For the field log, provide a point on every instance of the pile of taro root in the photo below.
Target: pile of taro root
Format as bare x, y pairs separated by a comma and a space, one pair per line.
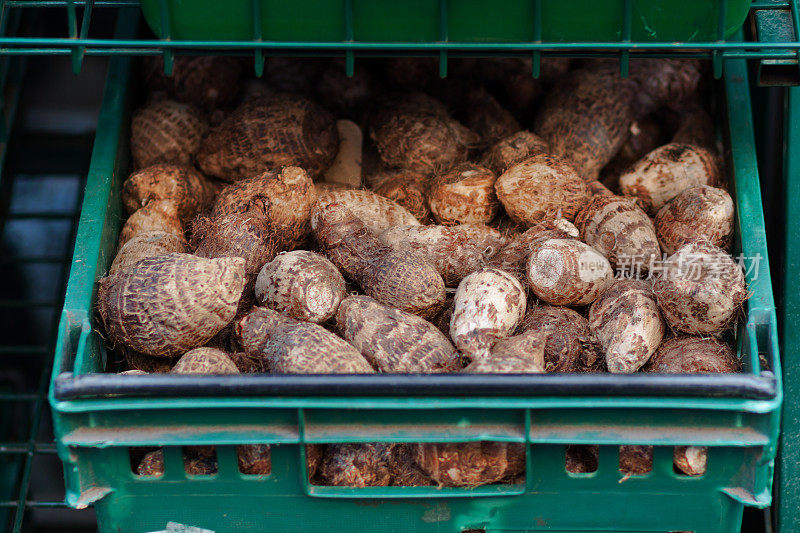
395, 221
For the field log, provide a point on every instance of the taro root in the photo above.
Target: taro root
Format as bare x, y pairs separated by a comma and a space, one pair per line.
488, 305
662, 82
357, 465
414, 131
471, 464
293, 74
146, 363
701, 213
598, 189
570, 345
182, 185
404, 469
582, 458
165, 131
700, 289
159, 216
691, 460
205, 361
687, 354
249, 364
302, 284
166, 305
375, 211
254, 459
455, 251
619, 229
520, 354
284, 198
540, 187
401, 279
197, 461
696, 127
394, 341
405, 187
464, 195
346, 167
132, 373
644, 136
635, 460
486, 117
667, 171
345, 96
207, 81
294, 347
268, 133
149, 244
513, 149
568, 272
627, 322
314, 454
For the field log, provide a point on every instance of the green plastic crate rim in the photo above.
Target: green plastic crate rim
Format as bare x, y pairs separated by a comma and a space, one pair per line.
94, 431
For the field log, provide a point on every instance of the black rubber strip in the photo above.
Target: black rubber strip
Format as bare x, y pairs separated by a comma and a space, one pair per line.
747, 386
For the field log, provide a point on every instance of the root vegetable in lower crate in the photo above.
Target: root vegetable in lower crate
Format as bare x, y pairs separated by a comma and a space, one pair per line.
294, 347
691, 460
628, 324
455, 251
166, 305
669, 170
302, 284
401, 279
700, 289
582, 458
471, 464
166, 131
464, 195
618, 228
375, 211
393, 340
542, 187
488, 305
205, 361
513, 149
254, 459
635, 459
198, 461
182, 185
357, 465
206, 81
688, 354
142, 245
568, 272
161, 216
702, 213
269, 133
405, 471
570, 345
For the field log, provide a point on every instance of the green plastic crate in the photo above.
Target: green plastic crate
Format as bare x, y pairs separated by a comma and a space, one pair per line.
468, 21
97, 417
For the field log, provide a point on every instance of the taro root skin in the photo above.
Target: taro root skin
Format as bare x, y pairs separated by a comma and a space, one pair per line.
688, 354
375, 211
205, 361
471, 464
702, 213
513, 149
464, 195
165, 131
570, 345
182, 185
148, 244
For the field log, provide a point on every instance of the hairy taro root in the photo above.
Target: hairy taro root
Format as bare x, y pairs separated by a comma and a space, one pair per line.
471, 464
407, 188
158, 216
302, 284
513, 149
700, 289
166, 305
635, 460
520, 354
687, 354
375, 211
268, 133
401, 279
486, 117
464, 195
148, 244
206, 81
392, 340
205, 361
568, 272
357, 465
701, 213
542, 187
570, 345
294, 347
455, 251
181, 185
627, 322
165, 131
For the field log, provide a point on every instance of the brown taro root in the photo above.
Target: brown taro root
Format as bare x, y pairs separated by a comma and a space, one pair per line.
254, 459
405, 187
293, 347
197, 461
302, 284
540, 187
165, 131
269, 133
700, 289
464, 195
687, 354
146, 363
166, 305
205, 361
394, 341
701, 213
357, 465
582, 458
667, 171
635, 460
598, 189
405, 471
691, 460
293, 74
663, 81
696, 127
513, 149
182, 185
284, 198
149, 244
488, 305
570, 345
619, 229
314, 454
401, 279
471, 464
455, 251
644, 136
568, 272
207, 81
520, 354
585, 119
249, 364
627, 322
415, 132
132, 373
375, 211
486, 117
160, 216
345, 96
